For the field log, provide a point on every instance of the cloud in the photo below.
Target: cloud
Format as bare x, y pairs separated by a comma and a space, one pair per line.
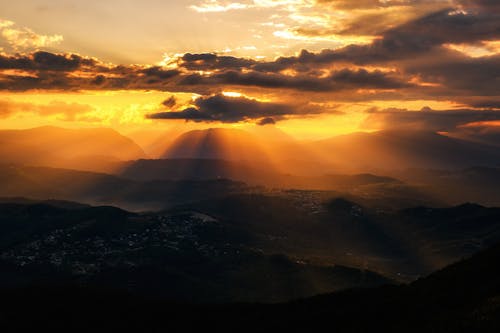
210, 61
215, 6
42, 60
159, 73
220, 108
335, 81
45, 70
426, 119
410, 61
66, 111
413, 39
72, 72
170, 102
19, 39
266, 121
489, 5
375, 4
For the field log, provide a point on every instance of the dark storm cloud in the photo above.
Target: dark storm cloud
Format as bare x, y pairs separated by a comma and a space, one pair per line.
266, 121
415, 38
220, 108
45, 61
98, 80
337, 81
462, 75
426, 118
170, 102
209, 61
160, 73
486, 103
51, 71
490, 5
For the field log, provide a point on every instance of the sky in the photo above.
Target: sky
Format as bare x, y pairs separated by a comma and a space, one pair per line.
313, 68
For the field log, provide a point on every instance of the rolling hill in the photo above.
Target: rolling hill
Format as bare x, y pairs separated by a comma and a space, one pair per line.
463, 297
83, 149
397, 150
184, 256
103, 189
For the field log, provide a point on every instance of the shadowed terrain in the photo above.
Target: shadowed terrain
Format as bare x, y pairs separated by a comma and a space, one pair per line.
455, 299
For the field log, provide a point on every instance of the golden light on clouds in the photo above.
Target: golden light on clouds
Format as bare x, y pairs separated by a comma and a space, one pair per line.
312, 68
481, 49
22, 38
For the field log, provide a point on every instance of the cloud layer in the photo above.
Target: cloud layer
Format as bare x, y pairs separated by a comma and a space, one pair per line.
220, 108
438, 50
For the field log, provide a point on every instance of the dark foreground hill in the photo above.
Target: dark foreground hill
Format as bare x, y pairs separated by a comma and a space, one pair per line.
464, 297
186, 256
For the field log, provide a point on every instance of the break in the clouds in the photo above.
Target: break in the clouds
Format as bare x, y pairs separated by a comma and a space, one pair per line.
230, 109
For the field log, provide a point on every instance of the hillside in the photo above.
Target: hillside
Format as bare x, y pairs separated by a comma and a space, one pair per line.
398, 150
463, 297
103, 189
185, 256
84, 149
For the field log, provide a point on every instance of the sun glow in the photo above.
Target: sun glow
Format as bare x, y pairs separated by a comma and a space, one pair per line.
231, 94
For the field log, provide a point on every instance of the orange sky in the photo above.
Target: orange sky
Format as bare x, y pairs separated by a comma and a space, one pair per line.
313, 68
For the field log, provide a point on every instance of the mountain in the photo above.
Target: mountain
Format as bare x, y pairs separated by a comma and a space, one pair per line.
397, 150
266, 149
182, 169
209, 169
218, 143
399, 243
103, 189
84, 149
477, 184
154, 142
183, 256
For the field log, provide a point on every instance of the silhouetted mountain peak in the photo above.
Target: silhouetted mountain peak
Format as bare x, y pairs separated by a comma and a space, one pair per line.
217, 143
403, 149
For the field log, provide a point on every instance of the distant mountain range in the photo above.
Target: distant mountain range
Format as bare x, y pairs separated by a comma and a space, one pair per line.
431, 167
104, 189
270, 150
398, 150
83, 149
217, 143
357, 152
